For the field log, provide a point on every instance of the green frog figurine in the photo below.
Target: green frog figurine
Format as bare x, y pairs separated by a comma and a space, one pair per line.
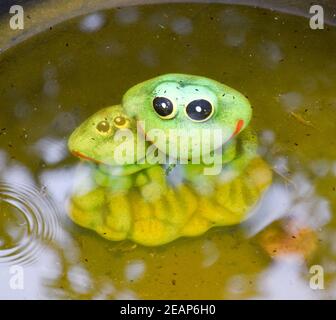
153, 203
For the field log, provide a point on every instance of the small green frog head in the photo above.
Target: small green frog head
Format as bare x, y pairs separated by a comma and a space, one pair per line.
187, 102
94, 140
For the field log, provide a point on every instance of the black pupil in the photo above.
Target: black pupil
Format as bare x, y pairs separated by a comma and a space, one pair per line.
199, 109
163, 106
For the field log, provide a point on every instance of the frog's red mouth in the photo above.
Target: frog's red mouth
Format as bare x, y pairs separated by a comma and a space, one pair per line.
84, 157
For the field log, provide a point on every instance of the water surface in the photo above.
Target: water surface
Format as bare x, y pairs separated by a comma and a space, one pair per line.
52, 82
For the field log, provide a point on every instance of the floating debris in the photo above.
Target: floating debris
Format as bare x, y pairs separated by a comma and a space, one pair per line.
302, 120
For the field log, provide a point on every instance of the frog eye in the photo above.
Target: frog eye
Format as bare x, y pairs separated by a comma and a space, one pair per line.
164, 108
103, 127
199, 110
120, 122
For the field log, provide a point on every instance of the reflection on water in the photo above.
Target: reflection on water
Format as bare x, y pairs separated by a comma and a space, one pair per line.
87, 64
284, 279
298, 201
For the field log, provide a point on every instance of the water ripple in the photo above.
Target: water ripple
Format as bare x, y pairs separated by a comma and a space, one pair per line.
28, 222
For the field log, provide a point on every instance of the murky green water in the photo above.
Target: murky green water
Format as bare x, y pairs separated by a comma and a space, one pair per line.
52, 82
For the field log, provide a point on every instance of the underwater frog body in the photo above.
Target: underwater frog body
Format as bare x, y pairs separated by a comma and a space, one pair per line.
143, 201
